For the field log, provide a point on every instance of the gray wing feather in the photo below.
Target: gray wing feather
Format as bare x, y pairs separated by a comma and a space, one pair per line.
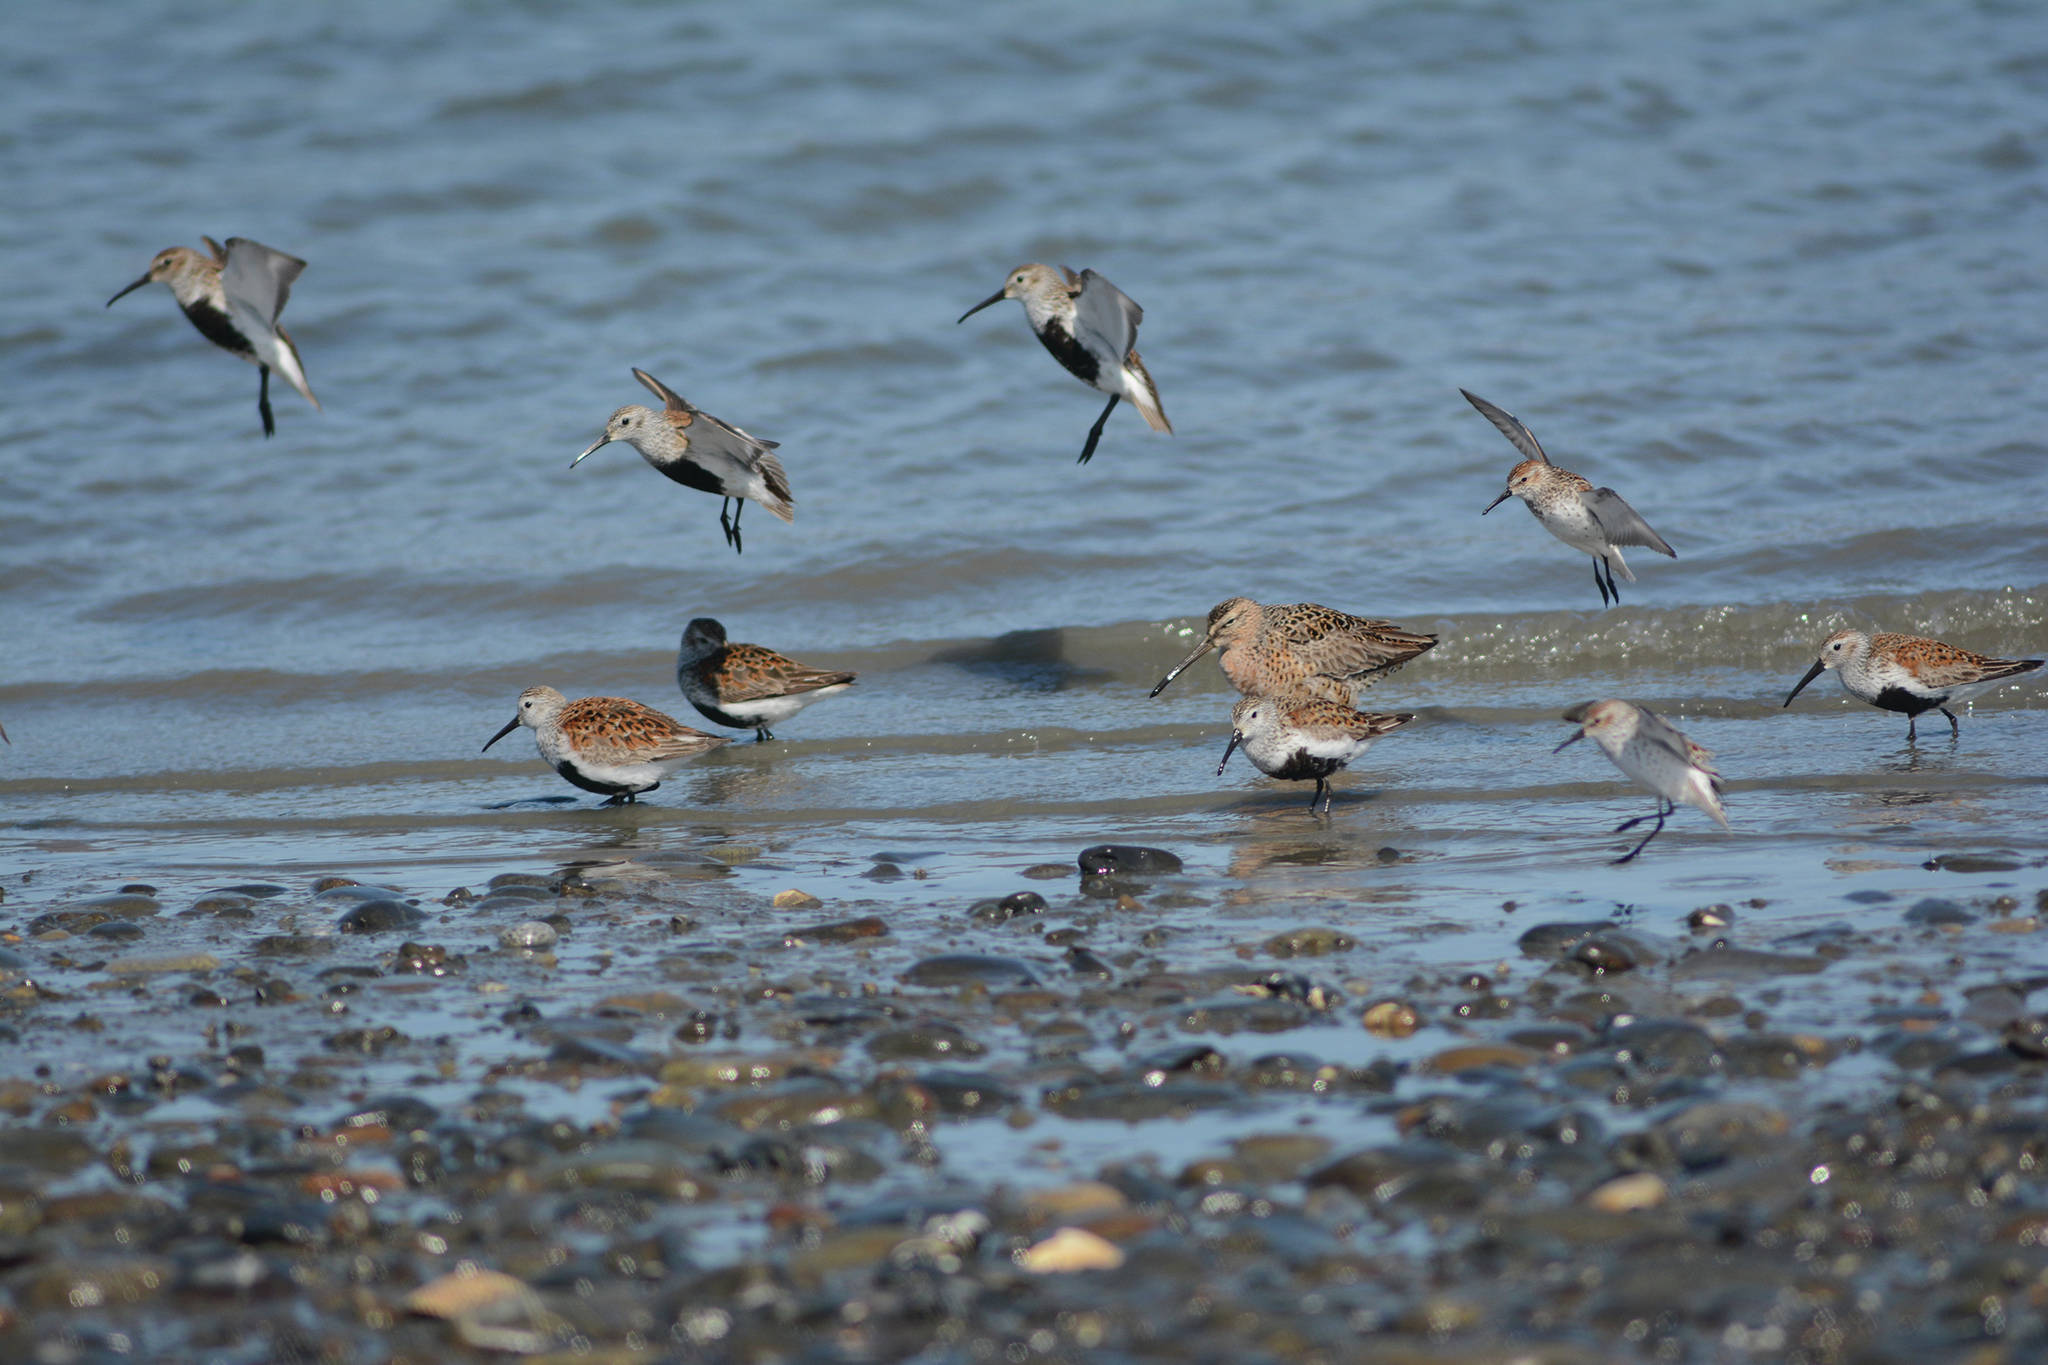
1656, 730
259, 279
1510, 426
1621, 523
1105, 317
710, 436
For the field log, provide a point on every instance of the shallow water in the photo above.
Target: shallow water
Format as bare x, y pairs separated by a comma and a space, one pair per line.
1776, 276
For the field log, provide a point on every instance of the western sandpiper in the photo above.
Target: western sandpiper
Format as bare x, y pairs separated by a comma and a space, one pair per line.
699, 451
1909, 673
1301, 650
609, 745
1091, 327
746, 686
234, 299
1296, 740
1652, 751
1591, 520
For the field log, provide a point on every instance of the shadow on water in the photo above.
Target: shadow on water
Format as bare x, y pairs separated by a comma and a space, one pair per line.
1029, 660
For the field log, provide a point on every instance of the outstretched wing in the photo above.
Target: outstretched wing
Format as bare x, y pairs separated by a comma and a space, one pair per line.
1510, 426
1105, 317
1621, 523
258, 279
708, 435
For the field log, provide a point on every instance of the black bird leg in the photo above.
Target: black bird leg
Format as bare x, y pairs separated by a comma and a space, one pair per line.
263, 400
761, 733
1664, 811
1322, 795
1911, 721
1095, 432
1955, 731
731, 527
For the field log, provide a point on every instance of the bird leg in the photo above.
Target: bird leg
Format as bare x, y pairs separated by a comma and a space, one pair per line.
1095, 432
731, 527
761, 733
263, 400
1664, 811
1955, 731
1322, 795
1911, 721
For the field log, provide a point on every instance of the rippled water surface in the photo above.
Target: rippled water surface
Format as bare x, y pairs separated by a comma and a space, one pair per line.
1776, 274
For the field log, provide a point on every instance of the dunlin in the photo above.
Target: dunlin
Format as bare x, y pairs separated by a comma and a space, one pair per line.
1301, 650
1909, 673
609, 745
746, 686
1091, 327
1297, 741
1652, 751
234, 299
1591, 520
699, 451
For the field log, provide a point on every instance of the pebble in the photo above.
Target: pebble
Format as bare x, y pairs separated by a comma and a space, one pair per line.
379, 915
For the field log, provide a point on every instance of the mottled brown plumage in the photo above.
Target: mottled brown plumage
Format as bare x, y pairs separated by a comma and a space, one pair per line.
1301, 649
748, 687
608, 745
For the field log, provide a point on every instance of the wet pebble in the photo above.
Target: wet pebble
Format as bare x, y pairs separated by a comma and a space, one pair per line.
969, 969
529, 935
379, 915
1310, 941
838, 931
1009, 907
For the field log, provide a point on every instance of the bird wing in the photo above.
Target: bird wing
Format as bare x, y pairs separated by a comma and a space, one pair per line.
710, 435
1353, 647
258, 279
1654, 729
1327, 720
754, 673
1105, 317
1621, 523
1510, 426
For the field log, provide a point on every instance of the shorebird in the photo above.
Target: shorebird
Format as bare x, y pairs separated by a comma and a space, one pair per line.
1296, 740
234, 299
1591, 520
746, 686
1091, 327
1909, 673
609, 745
1652, 751
1301, 650
699, 451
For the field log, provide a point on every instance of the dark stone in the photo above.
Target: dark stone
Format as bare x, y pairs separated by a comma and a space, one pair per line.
1557, 940
969, 969
1127, 860
1935, 910
1009, 907
380, 916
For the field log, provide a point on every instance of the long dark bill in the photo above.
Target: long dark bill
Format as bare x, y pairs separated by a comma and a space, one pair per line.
1811, 673
996, 297
510, 726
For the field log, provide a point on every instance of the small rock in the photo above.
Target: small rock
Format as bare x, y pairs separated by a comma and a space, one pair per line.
1069, 1250
380, 916
793, 899
1630, 1193
1391, 1019
838, 931
1127, 860
969, 969
529, 935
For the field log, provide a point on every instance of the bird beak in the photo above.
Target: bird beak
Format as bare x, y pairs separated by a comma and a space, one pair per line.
598, 444
1811, 673
510, 726
1181, 667
1568, 743
129, 290
1228, 750
996, 297
1505, 495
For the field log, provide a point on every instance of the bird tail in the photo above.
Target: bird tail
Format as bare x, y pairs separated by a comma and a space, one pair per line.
1618, 564
1143, 394
775, 484
286, 362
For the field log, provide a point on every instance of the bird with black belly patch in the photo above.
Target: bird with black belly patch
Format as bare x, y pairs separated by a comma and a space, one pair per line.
234, 298
1091, 328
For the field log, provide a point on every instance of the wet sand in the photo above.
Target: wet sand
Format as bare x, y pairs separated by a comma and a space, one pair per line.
653, 1109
